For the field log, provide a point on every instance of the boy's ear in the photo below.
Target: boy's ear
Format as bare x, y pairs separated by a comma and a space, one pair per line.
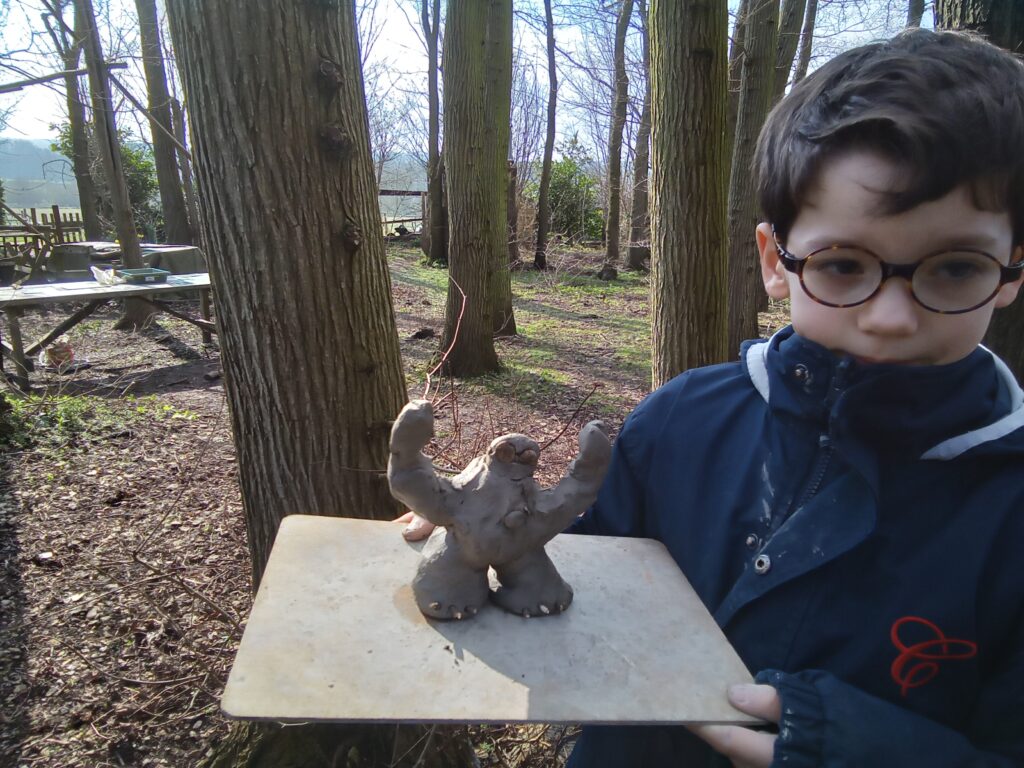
1009, 291
772, 272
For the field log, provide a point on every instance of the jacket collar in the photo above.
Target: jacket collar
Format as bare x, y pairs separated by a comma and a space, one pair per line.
934, 412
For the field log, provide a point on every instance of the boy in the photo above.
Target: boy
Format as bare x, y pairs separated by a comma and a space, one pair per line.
848, 498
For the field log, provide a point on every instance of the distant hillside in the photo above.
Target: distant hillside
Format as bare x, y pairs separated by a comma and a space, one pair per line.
35, 176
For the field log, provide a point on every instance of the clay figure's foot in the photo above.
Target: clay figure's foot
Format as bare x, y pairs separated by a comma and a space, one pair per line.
446, 587
531, 586
529, 605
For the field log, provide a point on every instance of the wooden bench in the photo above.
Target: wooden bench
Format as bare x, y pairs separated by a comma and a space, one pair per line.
13, 301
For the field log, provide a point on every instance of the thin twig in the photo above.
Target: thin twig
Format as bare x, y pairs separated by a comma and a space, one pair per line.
455, 337
571, 418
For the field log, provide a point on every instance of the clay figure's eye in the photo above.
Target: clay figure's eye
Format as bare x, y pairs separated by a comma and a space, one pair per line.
529, 456
505, 452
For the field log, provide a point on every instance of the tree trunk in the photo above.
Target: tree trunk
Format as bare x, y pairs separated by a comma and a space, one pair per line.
307, 330
136, 312
746, 291
513, 214
803, 57
915, 12
540, 258
688, 264
620, 99
739, 30
469, 320
639, 228
437, 215
185, 164
1002, 22
88, 197
790, 18
177, 228
497, 131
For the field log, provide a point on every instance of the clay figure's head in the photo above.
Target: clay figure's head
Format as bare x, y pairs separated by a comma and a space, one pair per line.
514, 456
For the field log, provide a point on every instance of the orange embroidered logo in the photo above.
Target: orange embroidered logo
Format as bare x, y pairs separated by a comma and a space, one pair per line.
918, 663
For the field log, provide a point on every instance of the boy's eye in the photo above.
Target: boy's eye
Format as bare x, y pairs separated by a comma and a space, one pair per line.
958, 266
840, 263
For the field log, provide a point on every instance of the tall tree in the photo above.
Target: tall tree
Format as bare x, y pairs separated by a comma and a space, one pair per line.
803, 56
540, 258
498, 109
688, 255
437, 217
307, 329
476, 228
177, 228
136, 312
1002, 22
620, 100
746, 294
68, 44
791, 18
739, 30
639, 227
915, 12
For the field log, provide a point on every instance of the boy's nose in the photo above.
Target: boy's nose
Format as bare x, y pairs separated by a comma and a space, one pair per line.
892, 311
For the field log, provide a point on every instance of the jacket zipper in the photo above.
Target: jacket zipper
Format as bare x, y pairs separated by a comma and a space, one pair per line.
824, 443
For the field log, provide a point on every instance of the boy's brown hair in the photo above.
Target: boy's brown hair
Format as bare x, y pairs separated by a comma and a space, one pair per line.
946, 106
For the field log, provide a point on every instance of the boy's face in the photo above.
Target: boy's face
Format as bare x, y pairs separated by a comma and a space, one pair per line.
842, 208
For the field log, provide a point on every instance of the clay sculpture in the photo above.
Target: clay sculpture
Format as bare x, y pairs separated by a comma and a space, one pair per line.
495, 515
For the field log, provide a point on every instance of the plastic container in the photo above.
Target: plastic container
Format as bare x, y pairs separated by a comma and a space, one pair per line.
145, 275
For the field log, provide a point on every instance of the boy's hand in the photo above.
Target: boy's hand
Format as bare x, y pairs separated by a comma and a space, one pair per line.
417, 528
746, 748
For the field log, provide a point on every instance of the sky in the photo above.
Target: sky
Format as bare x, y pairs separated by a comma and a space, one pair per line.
37, 107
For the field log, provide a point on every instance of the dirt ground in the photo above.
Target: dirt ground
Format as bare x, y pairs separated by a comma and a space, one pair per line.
124, 572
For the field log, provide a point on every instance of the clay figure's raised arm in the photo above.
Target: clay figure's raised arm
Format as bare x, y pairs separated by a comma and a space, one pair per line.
411, 475
557, 507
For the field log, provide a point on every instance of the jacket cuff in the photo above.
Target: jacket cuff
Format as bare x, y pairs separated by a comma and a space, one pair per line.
802, 725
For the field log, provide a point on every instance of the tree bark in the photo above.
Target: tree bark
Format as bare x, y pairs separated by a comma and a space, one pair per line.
185, 164
620, 100
791, 16
497, 132
469, 319
915, 12
513, 214
540, 258
88, 196
436, 212
739, 30
136, 312
639, 228
177, 228
688, 274
746, 292
803, 57
1002, 22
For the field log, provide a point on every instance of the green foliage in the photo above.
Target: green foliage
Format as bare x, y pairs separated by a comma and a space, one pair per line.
51, 422
55, 420
139, 174
573, 194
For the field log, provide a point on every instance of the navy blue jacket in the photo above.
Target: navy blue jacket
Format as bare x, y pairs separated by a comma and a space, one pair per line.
857, 531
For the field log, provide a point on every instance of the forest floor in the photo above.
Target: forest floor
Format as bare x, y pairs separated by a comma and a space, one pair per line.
124, 572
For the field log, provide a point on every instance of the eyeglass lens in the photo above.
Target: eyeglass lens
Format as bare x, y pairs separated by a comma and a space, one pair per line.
947, 282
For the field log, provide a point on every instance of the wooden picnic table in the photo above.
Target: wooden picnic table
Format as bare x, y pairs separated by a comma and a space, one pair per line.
14, 299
